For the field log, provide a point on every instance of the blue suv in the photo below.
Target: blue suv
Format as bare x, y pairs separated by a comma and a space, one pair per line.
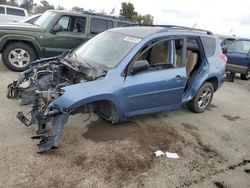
119, 74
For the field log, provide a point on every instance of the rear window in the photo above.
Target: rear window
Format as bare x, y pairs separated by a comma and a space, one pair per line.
2, 10
16, 12
209, 45
100, 25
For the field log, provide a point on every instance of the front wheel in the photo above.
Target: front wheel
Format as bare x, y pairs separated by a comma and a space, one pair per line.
245, 76
202, 99
17, 56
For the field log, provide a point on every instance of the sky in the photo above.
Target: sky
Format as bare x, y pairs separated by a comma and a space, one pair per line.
219, 16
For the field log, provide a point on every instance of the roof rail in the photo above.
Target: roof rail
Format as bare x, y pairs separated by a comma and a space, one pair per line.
173, 27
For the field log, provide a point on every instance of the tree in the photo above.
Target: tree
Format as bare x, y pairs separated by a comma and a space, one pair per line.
3, 2
60, 8
28, 5
127, 10
13, 3
148, 19
43, 7
77, 9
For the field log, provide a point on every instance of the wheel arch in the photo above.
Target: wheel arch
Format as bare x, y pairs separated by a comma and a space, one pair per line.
214, 81
105, 108
32, 42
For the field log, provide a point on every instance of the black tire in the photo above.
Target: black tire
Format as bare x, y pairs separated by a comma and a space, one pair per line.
202, 99
245, 76
17, 56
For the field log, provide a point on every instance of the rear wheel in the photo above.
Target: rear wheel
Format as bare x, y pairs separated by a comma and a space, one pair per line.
202, 99
17, 56
245, 76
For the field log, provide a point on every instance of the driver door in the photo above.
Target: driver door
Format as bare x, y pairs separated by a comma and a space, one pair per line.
71, 34
161, 86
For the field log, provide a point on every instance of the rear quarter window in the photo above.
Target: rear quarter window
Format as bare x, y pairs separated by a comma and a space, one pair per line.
16, 12
209, 45
2, 10
100, 25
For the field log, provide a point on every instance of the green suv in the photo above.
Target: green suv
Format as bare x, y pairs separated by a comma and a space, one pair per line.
53, 33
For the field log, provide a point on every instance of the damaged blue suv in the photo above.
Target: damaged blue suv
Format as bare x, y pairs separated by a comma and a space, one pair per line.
119, 74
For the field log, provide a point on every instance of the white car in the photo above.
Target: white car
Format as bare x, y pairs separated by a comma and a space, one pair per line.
10, 13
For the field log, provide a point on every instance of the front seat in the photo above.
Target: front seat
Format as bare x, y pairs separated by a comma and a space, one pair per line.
192, 59
159, 54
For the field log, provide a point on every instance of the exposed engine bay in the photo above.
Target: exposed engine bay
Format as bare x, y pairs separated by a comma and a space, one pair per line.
42, 84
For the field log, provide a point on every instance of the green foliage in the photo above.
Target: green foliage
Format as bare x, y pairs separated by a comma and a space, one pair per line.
9, 2
60, 8
3, 2
28, 5
77, 9
44, 5
128, 11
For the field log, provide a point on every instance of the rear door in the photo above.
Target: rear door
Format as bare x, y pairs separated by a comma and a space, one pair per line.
72, 35
160, 87
238, 54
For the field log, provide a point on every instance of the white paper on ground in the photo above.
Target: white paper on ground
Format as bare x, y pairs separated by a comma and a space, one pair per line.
159, 153
172, 155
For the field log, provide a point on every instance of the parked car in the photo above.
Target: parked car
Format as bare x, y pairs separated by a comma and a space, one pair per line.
31, 19
11, 13
224, 39
238, 58
122, 73
53, 33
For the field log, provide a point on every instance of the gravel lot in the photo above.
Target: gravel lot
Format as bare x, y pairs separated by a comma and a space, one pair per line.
214, 147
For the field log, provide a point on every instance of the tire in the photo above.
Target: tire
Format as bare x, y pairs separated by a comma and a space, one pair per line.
202, 99
245, 76
17, 56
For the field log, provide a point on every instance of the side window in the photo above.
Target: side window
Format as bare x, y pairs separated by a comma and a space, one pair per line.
64, 23
2, 10
100, 25
164, 54
16, 12
78, 25
239, 47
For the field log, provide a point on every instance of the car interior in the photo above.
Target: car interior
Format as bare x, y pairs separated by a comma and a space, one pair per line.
159, 56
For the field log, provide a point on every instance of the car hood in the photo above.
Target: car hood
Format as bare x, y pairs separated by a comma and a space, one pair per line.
18, 26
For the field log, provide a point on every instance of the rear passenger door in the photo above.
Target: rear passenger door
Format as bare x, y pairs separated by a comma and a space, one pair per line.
71, 35
161, 87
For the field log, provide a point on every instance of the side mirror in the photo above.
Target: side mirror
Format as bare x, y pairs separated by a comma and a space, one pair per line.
224, 49
56, 28
140, 66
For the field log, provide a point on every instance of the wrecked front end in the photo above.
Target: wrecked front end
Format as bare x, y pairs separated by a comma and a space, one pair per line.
41, 86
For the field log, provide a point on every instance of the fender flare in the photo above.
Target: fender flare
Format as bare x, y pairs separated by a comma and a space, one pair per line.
21, 38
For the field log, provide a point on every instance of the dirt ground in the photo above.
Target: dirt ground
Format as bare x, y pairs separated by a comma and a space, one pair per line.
214, 147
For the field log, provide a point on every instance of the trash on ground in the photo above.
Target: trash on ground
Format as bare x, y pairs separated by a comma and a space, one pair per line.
159, 153
172, 155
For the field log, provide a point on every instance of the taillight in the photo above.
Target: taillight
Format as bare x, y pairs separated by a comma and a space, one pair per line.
223, 57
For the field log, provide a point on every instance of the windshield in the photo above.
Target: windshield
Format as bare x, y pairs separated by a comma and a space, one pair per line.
107, 48
45, 19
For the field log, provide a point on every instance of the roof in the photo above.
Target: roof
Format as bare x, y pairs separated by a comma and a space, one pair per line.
143, 31
138, 31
